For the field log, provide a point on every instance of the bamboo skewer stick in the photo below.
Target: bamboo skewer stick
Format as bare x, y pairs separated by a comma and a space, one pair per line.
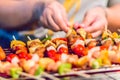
49, 76
14, 37
2, 78
30, 76
106, 28
29, 38
80, 74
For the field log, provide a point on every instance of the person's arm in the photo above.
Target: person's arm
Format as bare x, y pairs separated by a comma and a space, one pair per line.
98, 17
50, 13
14, 13
113, 17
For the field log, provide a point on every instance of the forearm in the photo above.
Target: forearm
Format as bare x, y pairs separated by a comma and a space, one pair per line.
15, 13
113, 17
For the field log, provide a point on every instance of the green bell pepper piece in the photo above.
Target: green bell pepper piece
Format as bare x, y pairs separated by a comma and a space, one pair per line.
14, 72
64, 68
39, 70
96, 63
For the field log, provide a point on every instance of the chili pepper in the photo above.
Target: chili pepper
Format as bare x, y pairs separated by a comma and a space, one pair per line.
64, 68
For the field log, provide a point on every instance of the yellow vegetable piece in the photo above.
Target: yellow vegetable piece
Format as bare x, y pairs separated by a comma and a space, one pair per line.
82, 61
17, 42
105, 58
105, 34
82, 32
43, 62
115, 35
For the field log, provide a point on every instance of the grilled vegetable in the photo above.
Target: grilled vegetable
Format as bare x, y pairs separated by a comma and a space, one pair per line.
15, 72
39, 70
2, 54
64, 68
97, 63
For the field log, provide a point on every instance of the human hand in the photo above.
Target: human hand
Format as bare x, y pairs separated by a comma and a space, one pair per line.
54, 17
94, 21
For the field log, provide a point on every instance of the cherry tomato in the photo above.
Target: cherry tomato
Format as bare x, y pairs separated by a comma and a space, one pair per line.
63, 50
10, 57
23, 55
90, 47
56, 57
85, 51
79, 50
103, 47
53, 55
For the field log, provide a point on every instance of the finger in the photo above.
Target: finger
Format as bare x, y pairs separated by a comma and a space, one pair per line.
88, 19
59, 20
96, 34
64, 15
96, 26
52, 23
77, 25
43, 20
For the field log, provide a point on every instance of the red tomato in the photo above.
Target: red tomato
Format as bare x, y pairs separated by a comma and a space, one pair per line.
63, 50
85, 51
79, 50
23, 55
81, 38
103, 47
56, 57
51, 53
90, 47
10, 57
